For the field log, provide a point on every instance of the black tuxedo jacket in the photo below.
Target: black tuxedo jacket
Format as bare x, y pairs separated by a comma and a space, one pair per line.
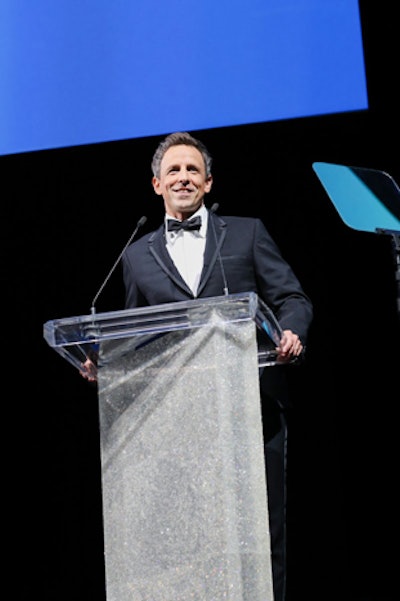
251, 262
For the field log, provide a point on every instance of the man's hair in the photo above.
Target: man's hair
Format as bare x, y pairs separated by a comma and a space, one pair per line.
177, 139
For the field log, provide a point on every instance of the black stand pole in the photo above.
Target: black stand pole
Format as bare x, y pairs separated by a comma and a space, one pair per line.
395, 237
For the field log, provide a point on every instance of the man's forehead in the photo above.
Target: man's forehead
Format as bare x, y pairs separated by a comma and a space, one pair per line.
182, 153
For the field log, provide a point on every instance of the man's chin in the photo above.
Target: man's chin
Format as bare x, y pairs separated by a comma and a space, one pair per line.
185, 203
185, 196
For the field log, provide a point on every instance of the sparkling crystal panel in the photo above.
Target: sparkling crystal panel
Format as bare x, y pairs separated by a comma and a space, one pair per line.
183, 475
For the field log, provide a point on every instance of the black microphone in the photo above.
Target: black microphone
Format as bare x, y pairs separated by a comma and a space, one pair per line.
139, 224
213, 209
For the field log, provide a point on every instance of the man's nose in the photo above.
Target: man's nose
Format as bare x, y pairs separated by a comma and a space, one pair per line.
184, 175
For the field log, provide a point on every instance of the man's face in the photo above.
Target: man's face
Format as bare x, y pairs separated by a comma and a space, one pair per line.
183, 182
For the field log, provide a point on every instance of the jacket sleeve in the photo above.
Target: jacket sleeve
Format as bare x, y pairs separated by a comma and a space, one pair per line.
278, 285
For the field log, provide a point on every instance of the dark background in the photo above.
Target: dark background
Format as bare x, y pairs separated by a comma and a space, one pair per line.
69, 212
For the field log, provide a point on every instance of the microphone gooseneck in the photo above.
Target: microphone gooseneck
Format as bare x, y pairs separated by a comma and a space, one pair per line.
139, 224
213, 209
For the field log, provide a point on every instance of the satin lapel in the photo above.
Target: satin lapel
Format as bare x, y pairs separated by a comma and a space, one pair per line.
216, 232
158, 250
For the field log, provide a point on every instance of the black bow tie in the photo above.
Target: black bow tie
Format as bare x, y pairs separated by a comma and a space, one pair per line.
173, 225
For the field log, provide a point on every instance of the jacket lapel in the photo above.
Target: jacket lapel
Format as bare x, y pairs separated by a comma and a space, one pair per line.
216, 232
158, 250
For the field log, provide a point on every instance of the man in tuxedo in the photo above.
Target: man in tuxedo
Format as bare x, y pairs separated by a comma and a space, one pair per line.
195, 254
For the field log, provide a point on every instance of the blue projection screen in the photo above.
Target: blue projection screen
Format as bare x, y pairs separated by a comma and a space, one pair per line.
79, 72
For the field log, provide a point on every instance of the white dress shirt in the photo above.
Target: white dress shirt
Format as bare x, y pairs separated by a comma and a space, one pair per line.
186, 249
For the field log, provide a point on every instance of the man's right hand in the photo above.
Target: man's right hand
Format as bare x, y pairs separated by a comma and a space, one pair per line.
89, 370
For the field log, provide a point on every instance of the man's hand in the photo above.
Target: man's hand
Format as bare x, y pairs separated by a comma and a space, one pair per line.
89, 370
290, 347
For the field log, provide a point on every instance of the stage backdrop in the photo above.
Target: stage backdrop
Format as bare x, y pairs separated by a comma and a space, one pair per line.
84, 72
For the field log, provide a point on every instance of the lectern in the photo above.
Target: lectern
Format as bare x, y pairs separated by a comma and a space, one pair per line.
183, 477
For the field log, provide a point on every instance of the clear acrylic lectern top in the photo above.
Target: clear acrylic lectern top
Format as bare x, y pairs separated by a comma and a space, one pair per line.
78, 338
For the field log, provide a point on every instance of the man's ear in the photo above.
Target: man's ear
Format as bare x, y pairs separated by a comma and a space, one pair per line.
209, 182
156, 185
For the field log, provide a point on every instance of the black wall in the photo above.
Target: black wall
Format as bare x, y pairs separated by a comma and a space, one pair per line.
67, 214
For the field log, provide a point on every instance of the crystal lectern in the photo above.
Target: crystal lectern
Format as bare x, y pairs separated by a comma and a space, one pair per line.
183, 476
